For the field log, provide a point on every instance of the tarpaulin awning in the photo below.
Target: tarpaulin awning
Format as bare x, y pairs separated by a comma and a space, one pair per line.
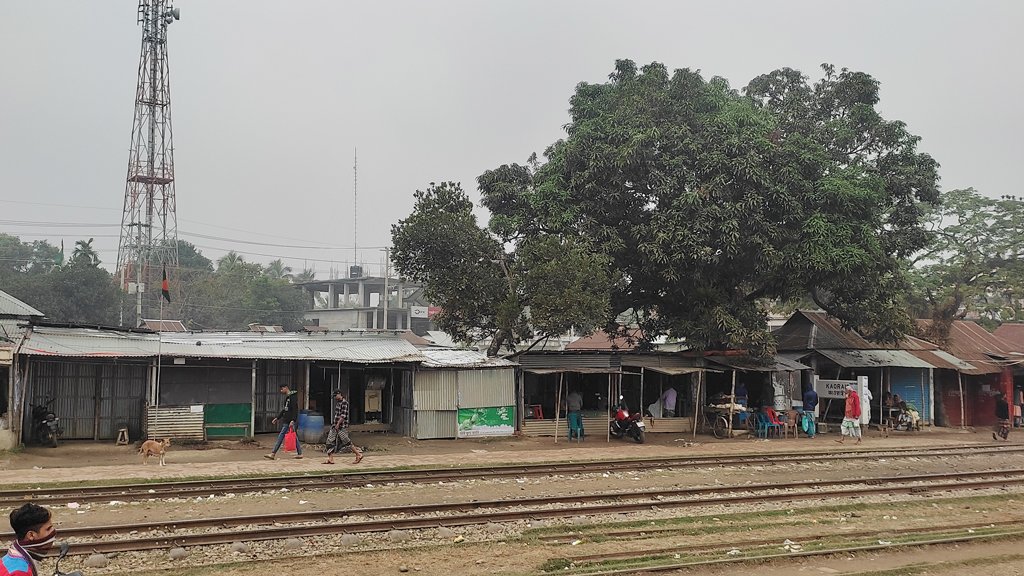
778, 364
676, 370
577, 370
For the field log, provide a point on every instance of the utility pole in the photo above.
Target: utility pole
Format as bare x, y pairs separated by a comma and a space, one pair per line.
149, 224
387, 272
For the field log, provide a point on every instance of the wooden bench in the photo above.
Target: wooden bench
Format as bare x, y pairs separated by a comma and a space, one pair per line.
208, 425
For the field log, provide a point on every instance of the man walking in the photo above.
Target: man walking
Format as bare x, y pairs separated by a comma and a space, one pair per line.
34, 535
851, 418
338, 438
287, 417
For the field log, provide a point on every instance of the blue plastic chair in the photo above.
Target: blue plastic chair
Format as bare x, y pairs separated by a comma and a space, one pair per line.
576, 426
765, 426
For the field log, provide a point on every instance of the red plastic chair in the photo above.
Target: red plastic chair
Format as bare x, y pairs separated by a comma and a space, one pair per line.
773, 417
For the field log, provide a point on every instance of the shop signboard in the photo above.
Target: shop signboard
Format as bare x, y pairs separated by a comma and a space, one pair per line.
833, 388
494, 421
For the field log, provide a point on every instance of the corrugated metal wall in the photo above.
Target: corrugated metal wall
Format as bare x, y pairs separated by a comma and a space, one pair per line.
402, 421
486, 388
436, 390
912, 385
119, 388
123, 399
178, 422
436, 424
270, 376
406, 393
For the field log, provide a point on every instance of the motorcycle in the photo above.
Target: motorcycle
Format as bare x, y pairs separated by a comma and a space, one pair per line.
45, 425
64, 552
626, 424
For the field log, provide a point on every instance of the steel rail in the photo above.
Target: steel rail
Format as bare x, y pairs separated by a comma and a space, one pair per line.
468, 513
764, 542
798, 554
192, 488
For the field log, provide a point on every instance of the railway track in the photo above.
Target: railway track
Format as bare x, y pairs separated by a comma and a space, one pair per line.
191, 489
709, 547
677, 566
225, 530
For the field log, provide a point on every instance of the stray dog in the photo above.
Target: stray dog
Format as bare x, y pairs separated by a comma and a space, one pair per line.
154, 448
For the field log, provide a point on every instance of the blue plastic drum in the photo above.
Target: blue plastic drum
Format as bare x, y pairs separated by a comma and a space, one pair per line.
314, 430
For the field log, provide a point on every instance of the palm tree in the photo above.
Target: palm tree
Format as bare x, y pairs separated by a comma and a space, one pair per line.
229, 261
277, 269
306, 275
84, 252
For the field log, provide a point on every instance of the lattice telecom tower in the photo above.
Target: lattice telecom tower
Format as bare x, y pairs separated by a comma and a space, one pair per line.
149, 228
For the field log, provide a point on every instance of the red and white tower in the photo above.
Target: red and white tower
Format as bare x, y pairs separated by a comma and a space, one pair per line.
149, 228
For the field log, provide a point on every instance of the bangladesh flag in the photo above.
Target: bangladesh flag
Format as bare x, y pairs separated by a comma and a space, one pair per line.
164, 289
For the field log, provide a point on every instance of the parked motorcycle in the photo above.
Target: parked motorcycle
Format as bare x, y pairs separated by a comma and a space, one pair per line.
45, 426
56, 568
626, 424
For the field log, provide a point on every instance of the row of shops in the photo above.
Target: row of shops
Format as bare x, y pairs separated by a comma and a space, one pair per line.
202, 385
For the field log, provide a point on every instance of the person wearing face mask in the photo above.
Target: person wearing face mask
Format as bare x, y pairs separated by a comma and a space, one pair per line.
33, 528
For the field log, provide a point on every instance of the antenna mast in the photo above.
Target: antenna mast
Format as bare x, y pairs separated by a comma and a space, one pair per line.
355, 207
149, 228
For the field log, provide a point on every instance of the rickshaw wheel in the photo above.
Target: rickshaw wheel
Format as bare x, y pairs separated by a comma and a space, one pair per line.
721, 427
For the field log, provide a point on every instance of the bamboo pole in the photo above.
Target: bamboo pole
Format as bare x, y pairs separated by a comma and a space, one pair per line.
558, 402
732, 401
607, 428
960, 382
697, 403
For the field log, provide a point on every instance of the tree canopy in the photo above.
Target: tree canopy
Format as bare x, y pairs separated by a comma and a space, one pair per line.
701, 203
541, 286
79, 291
973, 265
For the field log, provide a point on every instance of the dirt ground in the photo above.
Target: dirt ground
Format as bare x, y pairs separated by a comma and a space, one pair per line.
95, 461
77, 454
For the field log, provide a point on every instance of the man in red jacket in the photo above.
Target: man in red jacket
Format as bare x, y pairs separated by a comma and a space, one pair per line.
851, 418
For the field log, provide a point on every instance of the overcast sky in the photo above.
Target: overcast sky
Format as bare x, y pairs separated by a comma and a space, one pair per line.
270, 100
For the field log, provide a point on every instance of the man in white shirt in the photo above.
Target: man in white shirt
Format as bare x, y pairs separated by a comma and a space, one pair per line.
668, 399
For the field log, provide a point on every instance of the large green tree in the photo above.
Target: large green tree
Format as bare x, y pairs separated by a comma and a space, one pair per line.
973, 264
523, 289
709, 201
78, 292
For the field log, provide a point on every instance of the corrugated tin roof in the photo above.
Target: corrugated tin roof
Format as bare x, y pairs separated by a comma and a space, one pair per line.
89, 342
600, 340
945, 360
813, 330
874, 358
1012, 333
164, 325
440, 358
81, 342
11, 306
987, 352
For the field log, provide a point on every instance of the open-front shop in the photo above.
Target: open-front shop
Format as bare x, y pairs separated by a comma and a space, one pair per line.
639, 381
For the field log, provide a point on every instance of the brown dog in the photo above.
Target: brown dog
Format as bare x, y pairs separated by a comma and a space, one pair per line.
154, 448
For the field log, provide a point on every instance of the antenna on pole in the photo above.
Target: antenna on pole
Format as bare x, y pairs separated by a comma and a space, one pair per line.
355, 205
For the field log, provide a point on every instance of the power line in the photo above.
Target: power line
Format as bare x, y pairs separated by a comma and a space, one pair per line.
262, 234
